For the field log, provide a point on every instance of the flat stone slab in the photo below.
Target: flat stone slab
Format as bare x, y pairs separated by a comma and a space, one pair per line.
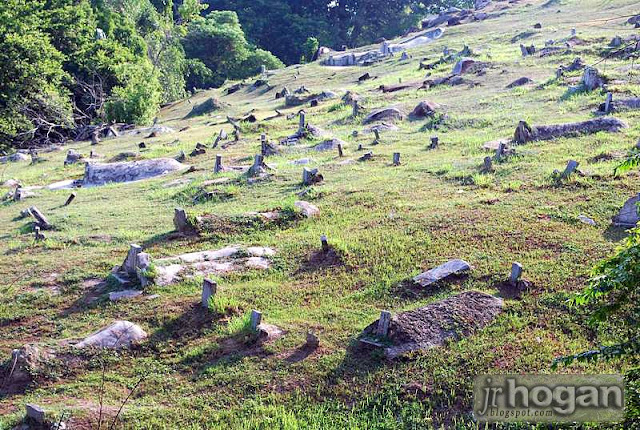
433, 325
307, 209
212, 262
129, 171
120, 334
451, 267
125, 294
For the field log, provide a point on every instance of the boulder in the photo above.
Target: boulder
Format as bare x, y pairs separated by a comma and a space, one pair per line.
628, 215
103, 173
307, 209
73, 156
390, 113
120, 334
463, 65
27, 362
15, 157
424, 109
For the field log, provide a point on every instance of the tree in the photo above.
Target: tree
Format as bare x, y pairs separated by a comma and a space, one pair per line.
219, 43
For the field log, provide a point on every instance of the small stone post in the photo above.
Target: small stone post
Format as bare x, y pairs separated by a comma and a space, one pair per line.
383, 324
488, 165
325, 243
256, 317
70, 199
180, 221
572, 165
37, 234
340, 153
209, 289
94, 137
500, 151
130, 263
218, 166
236, 135
396, 158
377, 134
434, 142
302, 124
516, 272
607, 103
355, 108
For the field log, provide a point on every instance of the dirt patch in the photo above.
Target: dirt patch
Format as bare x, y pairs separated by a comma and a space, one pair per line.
433, 325
320, 259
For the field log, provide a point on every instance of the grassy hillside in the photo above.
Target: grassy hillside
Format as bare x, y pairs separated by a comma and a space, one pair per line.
386, 223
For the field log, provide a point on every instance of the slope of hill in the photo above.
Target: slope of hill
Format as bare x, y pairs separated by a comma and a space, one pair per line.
384, 224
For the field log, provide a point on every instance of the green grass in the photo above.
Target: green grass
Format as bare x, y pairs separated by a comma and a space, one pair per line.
386, 223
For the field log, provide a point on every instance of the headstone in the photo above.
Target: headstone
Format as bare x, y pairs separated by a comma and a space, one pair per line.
404, 56
376, 132
70, 199
607, 103
616, 41
41, 220
302, 123
258, 165
628, 215
355, 108
218, 166
181, 156
94, 137
312, 340
383, 324
396, 158
573, 32
117, 335
236, 135
500, 150
310, 176
434, 142
130, 265
38, 236
488, 165
366, 156
209, 289
256, 317
180, 220
516, 273
340, 153
35, 413
142, 145
572, 165
325, 243
438, 273
590, 79
143, 262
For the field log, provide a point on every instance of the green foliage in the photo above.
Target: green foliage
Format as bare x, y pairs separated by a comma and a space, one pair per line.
632, 161
309, 49
138, 99
613, 296
219, 43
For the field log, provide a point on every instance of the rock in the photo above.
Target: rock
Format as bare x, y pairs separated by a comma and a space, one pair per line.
41, 220
311, 176
463, 65
72, 157
424, 109
390, 113
29, 361
586, 220
435, 324
103, 173
307, 209
153, 131
328, 145
180, 220
15, 157
591, 79
126, 294
452, 267
383, 126
117, 335
628, 215
616, 42
35, 413
520, 82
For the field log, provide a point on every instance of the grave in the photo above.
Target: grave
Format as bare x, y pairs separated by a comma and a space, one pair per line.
120, 334
628, 215
433, 325
100, 174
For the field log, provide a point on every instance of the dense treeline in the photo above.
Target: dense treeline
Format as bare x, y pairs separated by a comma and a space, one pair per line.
71, 62
66, 63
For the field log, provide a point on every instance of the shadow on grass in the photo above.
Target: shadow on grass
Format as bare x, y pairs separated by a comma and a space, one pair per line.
615, 233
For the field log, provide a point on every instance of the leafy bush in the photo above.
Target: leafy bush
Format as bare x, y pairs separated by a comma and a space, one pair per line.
138, 100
